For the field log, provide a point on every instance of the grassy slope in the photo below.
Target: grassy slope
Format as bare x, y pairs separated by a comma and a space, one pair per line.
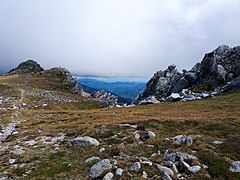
214, 118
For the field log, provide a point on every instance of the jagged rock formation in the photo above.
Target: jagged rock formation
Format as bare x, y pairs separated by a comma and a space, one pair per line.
26, 67
216, 68
107, 100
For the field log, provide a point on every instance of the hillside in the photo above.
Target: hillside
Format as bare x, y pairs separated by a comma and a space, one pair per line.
41, 118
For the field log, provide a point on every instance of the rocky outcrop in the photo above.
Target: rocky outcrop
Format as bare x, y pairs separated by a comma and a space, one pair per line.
68, 80
28, 66
106, 100
216, 69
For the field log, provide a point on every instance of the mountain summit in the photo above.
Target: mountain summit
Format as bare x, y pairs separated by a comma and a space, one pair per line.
26, 67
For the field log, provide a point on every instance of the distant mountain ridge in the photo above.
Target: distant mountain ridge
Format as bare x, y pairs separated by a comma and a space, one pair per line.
127, 90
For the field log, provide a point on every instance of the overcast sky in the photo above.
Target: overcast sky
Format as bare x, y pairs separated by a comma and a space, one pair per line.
131, 38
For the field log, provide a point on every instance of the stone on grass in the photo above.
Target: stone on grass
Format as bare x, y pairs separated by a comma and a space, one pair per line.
151, 134
108, 176
94, 158
144, 175
182, 139
194, 169
84, 141
235, 166
99, 168
12, 161
165, 169
135, 167
136, 135
166, 176
119, 171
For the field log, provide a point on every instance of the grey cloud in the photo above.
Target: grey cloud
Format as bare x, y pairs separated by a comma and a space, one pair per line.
115, 38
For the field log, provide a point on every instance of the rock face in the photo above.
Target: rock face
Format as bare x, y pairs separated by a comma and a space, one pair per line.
107, 100
26, 67
217, 68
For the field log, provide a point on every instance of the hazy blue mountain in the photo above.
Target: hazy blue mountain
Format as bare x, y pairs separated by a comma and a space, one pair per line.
128, 90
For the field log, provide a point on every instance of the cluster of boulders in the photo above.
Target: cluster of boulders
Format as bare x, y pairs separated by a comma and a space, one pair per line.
6, 100
175, 164
217, 68
50, 96
106, 100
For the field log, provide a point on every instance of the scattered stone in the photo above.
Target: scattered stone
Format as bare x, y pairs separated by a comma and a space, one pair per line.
169, 156
235, 166
12, 161
101, 150
165, 169
84, 141
135, 167
166, 176
108, 176
31, 142
151, 134
119, 171
136, 135
94, 158
217, 142
194, 169
149, 163
149, 100
173, 97
99, 168
182, 139
144, 175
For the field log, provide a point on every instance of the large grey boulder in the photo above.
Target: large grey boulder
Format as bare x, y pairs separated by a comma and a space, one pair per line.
183, 139
28, 66
99, 168
84, 141
235, 166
